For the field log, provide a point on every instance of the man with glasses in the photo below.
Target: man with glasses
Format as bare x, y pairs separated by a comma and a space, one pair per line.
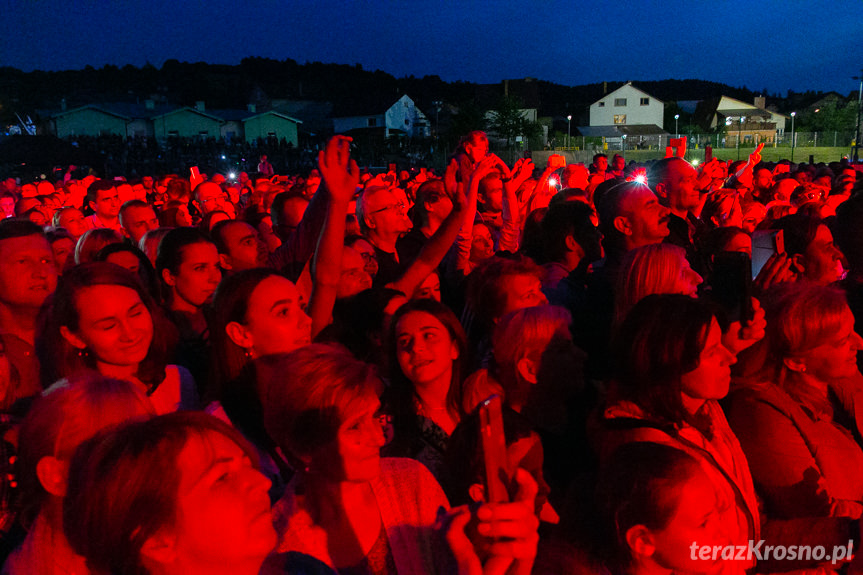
382, 215
210, 197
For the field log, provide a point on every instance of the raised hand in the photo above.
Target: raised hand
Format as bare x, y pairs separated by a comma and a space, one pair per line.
339, 171
755, 156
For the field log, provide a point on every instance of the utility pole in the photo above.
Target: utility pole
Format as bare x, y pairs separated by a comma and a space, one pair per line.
857, 127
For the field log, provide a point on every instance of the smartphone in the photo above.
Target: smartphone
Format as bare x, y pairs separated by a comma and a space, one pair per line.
764, 244
556, 161
731, 285
497, 480
196, 173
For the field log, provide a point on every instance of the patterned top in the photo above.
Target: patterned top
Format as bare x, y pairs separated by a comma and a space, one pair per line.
379, 560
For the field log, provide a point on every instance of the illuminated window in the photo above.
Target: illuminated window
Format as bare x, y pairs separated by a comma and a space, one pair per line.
645, 101
620, 118
373, 122
619, 102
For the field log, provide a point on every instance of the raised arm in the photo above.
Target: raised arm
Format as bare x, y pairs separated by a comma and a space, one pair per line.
341, 176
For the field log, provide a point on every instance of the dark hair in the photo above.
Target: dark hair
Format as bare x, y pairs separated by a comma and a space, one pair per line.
170, 254
96, 187
848, 232
11, 228
278, 206
116, 502
800, 230
58, 358
401, 391
564, 220
205, 225
128, 206
146, 272
609, 207
640, 485
659, 341
358, 322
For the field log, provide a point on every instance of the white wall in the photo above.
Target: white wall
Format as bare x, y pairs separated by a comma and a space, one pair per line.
602, 112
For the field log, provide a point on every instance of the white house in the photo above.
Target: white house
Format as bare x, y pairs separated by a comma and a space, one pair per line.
401, 117
627, 106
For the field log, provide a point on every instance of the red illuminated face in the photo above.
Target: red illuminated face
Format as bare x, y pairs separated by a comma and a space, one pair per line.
698, 519
117, 331
63, 248
138, 221
822, 261
837, 357
354, 456
197, 278
223, 508
424, 349
27, 272
687, 281
429, 289
275, 320
481, 244
648, 218
710, 380
522, 291
354, 278
477, 149
72, 220
107, 204
601, 164
244, 245
680, 185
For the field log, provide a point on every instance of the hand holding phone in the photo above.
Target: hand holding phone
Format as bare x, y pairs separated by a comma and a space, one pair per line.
497, 479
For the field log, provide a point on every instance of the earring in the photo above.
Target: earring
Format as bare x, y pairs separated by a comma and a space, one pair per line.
83, 353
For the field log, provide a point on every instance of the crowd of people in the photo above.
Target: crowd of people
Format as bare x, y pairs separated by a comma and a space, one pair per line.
284, 374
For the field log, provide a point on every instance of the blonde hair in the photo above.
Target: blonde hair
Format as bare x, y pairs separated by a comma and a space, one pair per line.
524, 333
648, 270
800, 317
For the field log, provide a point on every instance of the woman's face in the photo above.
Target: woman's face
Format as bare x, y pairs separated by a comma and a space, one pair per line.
697, 519
114, 325
687, 281
183, 218
223, 507
429, 289
198, 275
424, 348
739, 243
710, 380
265, 228
62, 248
822, 260
836, 358
354, 456
275, 319
482, 244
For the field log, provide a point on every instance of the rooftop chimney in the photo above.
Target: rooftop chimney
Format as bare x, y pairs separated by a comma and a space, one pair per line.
760, 102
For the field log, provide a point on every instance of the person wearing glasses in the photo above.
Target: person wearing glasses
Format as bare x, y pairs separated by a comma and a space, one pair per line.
210, 197
382, 213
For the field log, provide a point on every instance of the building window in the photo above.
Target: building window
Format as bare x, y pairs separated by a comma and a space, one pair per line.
203, 133
173, 134
373, 122
602, 104
620, 118
271, 134
407, 122
618, 102
645, 101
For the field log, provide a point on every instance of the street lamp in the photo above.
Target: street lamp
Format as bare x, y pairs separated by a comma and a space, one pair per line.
623, 145
739, 130
676, 133
857, 127
792, 136
568, 132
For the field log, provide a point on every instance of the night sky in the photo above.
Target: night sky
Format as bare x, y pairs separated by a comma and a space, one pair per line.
773, 45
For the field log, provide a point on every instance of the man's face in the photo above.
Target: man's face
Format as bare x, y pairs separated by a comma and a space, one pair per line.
618, 163
107, 204
139, 221
680, 186
211, 198
387, 210
601, 164
147, 182
763, 179
27, 271
7, 205
491, 188
575, 176
245, 247
648, 219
